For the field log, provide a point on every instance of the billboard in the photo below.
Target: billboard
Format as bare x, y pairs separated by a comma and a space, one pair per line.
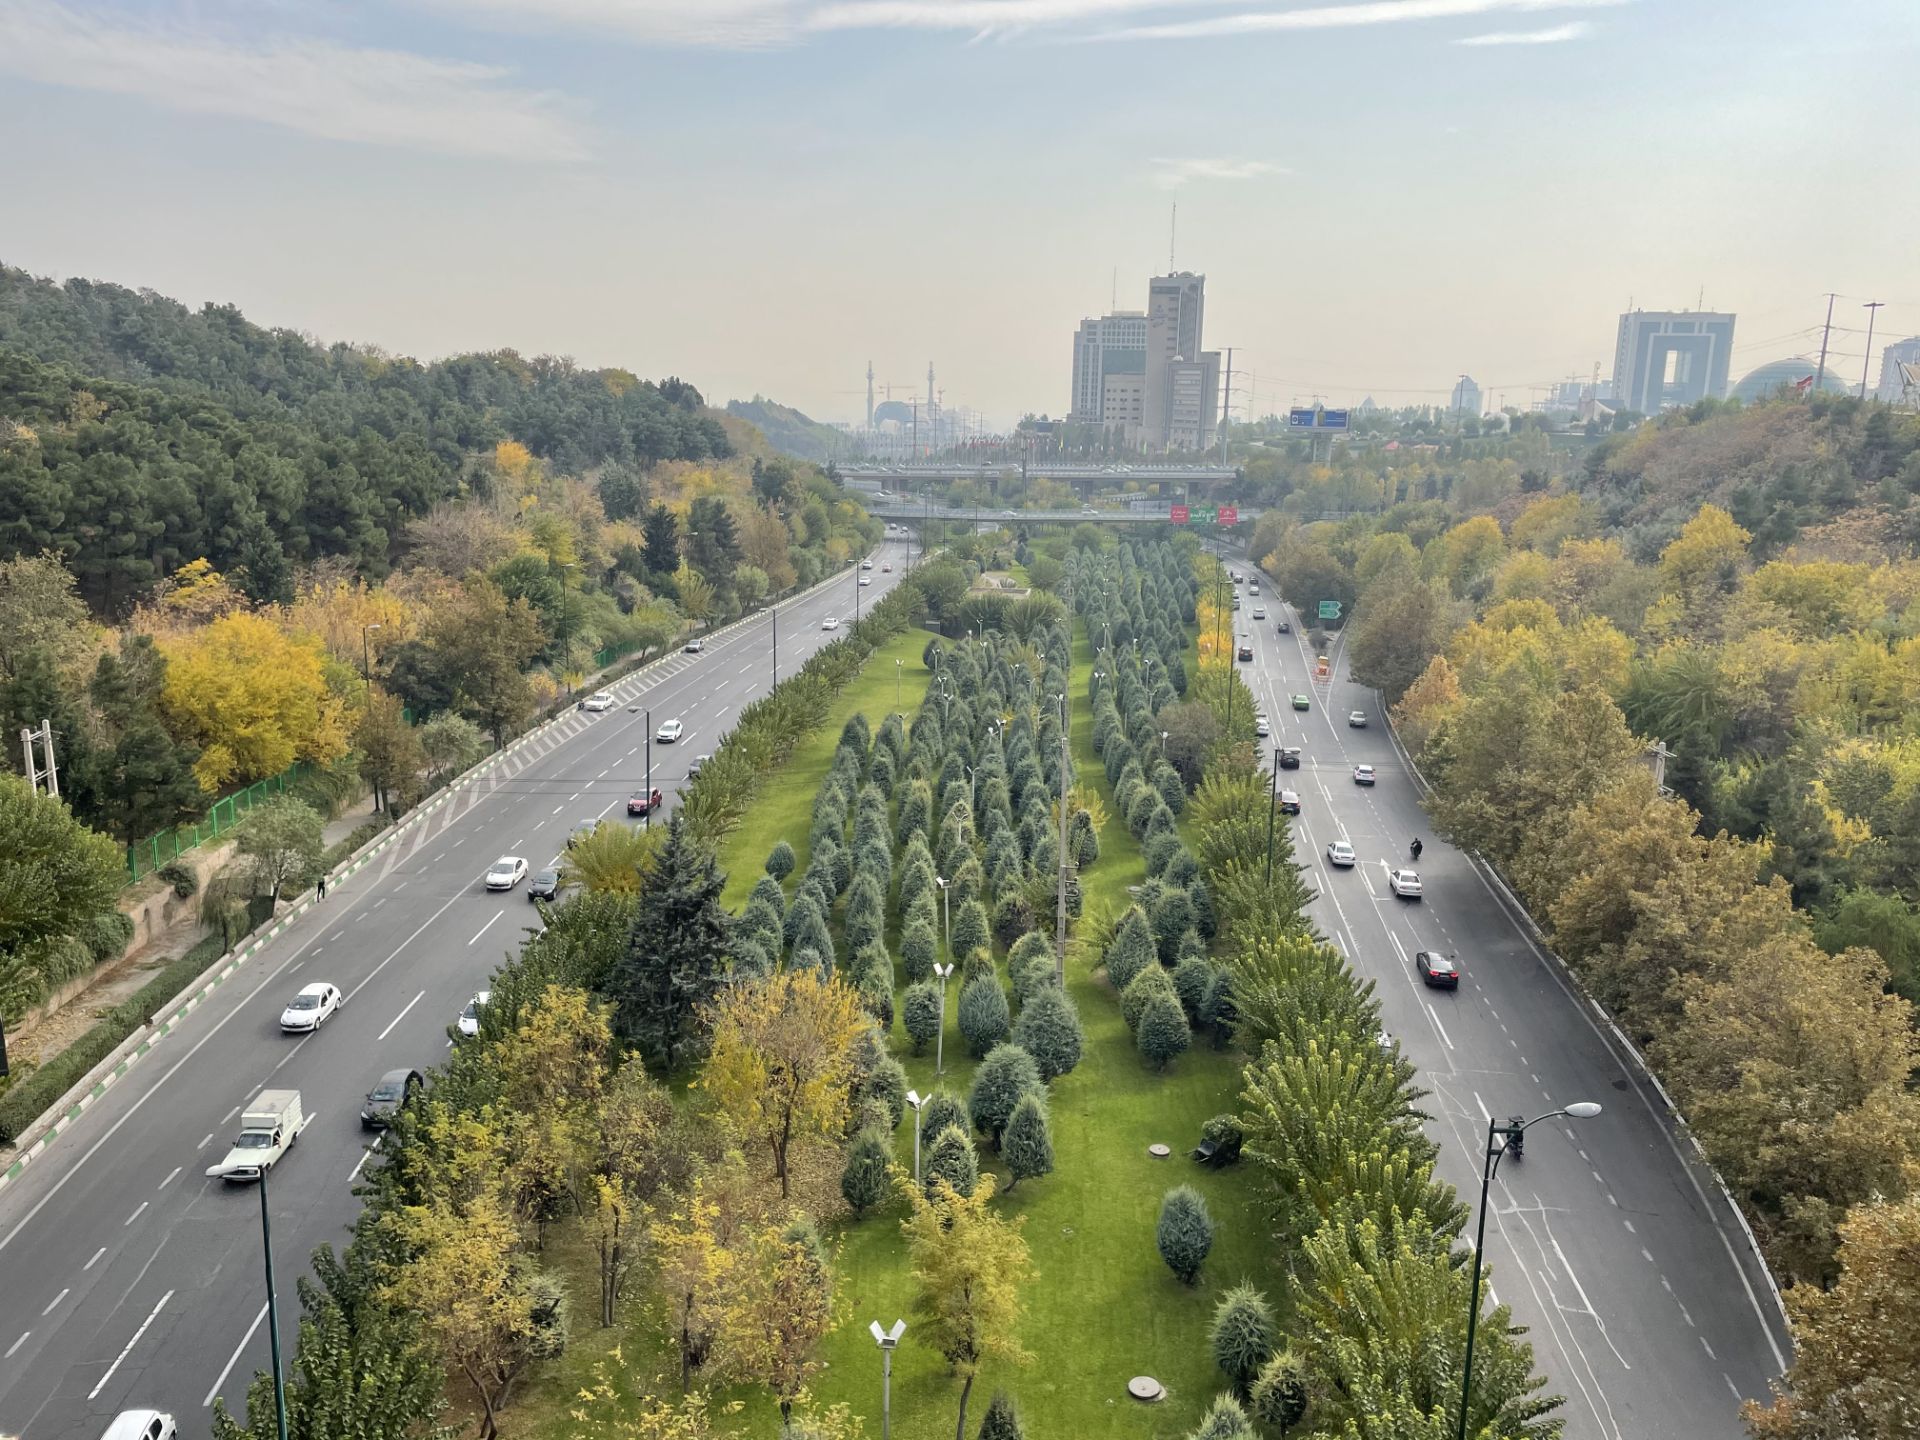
1229, 515
1178, 514
1318, 421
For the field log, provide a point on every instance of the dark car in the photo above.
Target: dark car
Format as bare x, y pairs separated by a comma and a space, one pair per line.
385, 1100
1246, 652
1286, 628
697, 766
1440, 971
1289, 802
581, 832
1290, 757
545, 885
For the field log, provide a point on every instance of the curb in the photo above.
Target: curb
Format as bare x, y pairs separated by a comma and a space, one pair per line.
38, 1136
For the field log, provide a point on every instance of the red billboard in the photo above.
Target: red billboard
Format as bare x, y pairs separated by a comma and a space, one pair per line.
1178, 514
1229, 515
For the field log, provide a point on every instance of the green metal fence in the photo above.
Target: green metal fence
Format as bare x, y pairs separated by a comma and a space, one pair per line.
148, 855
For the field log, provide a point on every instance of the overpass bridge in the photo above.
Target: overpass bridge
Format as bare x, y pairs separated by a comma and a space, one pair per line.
908, 513
905, 475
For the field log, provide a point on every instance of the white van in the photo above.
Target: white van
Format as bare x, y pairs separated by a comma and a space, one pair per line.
142, 1425
268, 1128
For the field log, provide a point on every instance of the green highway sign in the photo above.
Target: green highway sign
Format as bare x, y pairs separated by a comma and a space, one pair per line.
1329, 609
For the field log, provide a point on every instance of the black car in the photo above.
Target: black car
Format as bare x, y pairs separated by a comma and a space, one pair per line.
1290, 757
581, 832
698, 764
385, 1100
1440, 971
1285, 628
1246, 653
545, 885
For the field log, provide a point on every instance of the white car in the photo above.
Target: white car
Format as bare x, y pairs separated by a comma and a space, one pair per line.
866, 564
695, 645
1363, 775
1261, 727
506, 872
1340, 853
1357, 719
470, 1017
1259, 612
866, 579
598, 701
1404, 883
669, 732
829, 623
311, 1008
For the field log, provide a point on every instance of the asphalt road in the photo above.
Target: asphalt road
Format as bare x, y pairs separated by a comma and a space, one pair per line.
129, 1279
1645, 1305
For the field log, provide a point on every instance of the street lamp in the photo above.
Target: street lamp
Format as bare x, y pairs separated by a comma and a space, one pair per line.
1509, 1136
941, 972
565, 638
896, 683
887, 1340
1273, 801
917, 1101
366, 657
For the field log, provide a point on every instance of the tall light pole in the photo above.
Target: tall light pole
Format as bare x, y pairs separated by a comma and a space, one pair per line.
941, 973
917, 1101
273, 1312
896, 683
1060, 911
1872, 308
366, 657
1508, 1135
775, 612
1273, 802
888, 1341
649, 724
565, 626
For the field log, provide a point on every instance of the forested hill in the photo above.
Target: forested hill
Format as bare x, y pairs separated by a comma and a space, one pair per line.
136, 435
791, 432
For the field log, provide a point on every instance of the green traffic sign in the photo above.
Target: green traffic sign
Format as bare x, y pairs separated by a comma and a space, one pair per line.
1329, 609
1205, 517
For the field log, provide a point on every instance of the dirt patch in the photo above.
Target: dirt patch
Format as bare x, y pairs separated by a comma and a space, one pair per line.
43, 1039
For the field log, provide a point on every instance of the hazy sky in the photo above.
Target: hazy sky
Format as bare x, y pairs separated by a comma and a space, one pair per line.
762, 195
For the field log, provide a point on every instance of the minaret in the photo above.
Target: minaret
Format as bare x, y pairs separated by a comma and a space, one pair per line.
869, 395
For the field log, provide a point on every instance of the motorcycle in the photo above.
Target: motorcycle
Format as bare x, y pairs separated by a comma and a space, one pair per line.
1414, 849
1516, 1135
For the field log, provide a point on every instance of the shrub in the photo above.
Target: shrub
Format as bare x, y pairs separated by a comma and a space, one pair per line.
1224, 1420
951, 1158
887, 1082
1049, 1030
920, 1013
1031, 975
780, 861
1160, 853
970, 928
1003, 1078
983, 1015
106, 935
918, 951
747, 957
180, 877
1243, 1336
1002, 1421
1164, 1032
978, 965
863, 1181
767, 891
1185, 1233
942, 1108
1027, 1143
1131, 949
1224, 1134
1149, 984
1192, 982
1280, 1391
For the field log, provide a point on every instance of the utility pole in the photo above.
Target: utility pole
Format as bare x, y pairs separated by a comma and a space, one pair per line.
273, 1312
1820, 375
1060, 916
1273, 803
1226, 400
649, 724
1866, 365
35, 772
775, 613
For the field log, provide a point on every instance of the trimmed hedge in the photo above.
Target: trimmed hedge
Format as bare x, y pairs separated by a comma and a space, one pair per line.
31, 1096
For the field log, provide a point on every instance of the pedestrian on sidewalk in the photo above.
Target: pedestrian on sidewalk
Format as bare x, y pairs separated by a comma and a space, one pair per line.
320, 888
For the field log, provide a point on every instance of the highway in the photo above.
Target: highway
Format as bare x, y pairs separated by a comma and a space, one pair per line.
1646, 1307
132, 1280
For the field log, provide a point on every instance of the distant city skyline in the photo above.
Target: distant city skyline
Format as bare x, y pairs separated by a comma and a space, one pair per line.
762, 195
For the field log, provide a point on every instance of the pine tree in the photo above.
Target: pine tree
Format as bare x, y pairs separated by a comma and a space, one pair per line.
1049, 1030
863, 1182
676, 952
1002, 1421
1164, 1033
1004, 1077
1243, 1335
1027, 1143
1131, 950
983, 1015
952, 1158
920, 1012
1185, 1232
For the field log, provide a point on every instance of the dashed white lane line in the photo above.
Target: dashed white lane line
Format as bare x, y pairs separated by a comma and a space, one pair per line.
96, 1258
558, 808
410, 1004
16, 1345
208, 1140
135, 1216
354, 1173
486, 927
55, 1301
94, 1394
170, 1178
235, 1358
1438, 1026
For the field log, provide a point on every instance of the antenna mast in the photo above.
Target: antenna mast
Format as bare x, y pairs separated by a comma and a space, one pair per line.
1173, 229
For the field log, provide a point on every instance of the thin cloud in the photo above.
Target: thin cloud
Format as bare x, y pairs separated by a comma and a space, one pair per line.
368, 97
1554, 35
1338, 17
1172, 174
727, 24
981, 16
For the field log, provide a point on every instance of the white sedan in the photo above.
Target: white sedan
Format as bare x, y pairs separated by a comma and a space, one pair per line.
598, 701
830, 623
470, 1017
866, 579
1404, 883
311, 1008
669, 731
1261, 727
1340, 853
506, 872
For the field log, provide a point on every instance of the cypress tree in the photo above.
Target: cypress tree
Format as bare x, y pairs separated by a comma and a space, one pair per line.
676, 957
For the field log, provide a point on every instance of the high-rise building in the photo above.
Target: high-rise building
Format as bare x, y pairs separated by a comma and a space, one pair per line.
1176, 307
1193, 392
1111, 345
1671, 357
1466, 397
1893, 387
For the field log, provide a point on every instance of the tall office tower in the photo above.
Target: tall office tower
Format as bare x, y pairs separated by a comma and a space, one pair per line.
1670, 357
1175, 310
1893, 387
1110, 349
1466, 397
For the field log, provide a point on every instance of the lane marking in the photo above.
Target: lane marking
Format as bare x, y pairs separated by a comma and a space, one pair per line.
96, 1258
135, 1216
94, 1394
208, 1140
53, 1302
354, 1173
409, 1005
486, 927
235, 1358
23, 1340
171, 1178
1438, 1026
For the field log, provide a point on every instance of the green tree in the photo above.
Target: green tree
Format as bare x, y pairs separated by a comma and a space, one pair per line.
676, 952
951, 1161
482, 644
142, 777
1002, 1420
920, 1013
1243, 1336
1131, 950
278, 845
1027, 1143
451, 744
1184, 1233
1164, 1034
983, 1014
1224, 1420
1049, 1030
613, 859
969, 1269
863, 1180
390, 755
1001, 1081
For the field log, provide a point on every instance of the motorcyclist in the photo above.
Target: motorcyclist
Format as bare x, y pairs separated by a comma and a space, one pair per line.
1415, 847
1516, 1134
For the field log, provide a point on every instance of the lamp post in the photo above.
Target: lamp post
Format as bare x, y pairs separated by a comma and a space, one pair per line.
1508, 1134
888, 1340
775, 613
565, 637
1060, 911
941, 972
1273, 801
917, 1101
273, 1312
366, 657
896, 683
649, 725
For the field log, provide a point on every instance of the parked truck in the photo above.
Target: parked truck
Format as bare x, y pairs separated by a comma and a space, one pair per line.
268, 1128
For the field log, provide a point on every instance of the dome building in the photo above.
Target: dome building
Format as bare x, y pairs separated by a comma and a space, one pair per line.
1767, 381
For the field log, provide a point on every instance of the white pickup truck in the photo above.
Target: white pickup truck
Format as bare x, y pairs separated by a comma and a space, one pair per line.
268, 1128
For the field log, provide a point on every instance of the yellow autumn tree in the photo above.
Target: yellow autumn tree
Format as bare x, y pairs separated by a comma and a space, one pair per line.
254, 697
1429, 701
354, 620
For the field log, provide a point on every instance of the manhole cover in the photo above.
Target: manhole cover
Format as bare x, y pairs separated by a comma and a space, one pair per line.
1159, 1152
1145, 1387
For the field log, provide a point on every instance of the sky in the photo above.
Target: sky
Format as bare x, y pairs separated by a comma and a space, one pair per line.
762, 196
